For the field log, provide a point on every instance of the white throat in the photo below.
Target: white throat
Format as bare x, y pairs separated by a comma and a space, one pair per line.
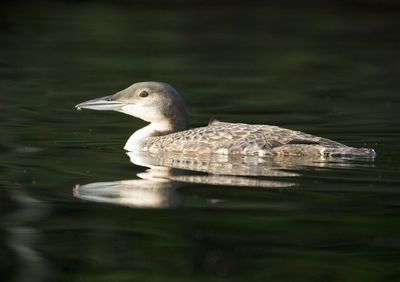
153, 129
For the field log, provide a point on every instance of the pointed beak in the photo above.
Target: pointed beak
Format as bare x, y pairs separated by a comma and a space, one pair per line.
101, 104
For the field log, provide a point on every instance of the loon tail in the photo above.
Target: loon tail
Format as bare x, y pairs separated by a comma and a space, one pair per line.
349, 152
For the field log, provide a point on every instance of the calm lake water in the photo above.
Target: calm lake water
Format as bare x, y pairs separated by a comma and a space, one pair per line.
328, 69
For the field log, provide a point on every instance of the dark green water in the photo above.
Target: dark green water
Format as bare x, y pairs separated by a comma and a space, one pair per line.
328, 69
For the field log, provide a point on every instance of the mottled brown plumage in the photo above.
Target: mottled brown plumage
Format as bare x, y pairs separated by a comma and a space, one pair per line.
248, 139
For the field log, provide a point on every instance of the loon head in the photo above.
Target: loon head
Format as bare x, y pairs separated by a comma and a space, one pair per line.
155, 102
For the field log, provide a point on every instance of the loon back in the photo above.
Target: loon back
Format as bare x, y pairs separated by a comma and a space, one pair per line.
248, 139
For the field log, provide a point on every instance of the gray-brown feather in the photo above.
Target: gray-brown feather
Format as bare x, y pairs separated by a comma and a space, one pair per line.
239, 138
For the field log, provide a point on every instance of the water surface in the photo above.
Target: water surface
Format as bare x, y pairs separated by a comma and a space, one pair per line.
330, 70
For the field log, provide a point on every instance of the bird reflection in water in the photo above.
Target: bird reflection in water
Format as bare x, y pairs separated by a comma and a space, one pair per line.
157, 186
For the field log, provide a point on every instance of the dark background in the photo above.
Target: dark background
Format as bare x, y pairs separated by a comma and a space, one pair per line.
330, 68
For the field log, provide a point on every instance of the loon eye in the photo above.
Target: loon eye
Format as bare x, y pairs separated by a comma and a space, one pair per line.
143, 93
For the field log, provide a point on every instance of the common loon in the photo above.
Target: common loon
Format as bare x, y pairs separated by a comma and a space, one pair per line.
162, 106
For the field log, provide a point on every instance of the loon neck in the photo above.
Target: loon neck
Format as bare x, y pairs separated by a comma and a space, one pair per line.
152, 130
